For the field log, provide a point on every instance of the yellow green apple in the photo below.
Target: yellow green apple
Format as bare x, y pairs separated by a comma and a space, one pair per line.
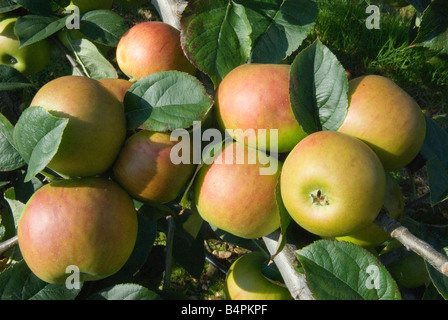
29, 59
372, 235
96, 129
332, 184
245, 280
88, 223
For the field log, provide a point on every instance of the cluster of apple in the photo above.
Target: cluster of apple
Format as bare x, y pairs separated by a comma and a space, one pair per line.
332, 183
88, 219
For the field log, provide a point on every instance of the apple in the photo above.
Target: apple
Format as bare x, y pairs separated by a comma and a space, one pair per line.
245, 280
386, 118
88, 5
30, 59
150, 47
253, 99
144, 168
96, 129
89, 223
372, 235
332, 184
118, 87
233, 193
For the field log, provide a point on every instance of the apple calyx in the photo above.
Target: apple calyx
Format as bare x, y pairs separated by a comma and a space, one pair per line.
320, 199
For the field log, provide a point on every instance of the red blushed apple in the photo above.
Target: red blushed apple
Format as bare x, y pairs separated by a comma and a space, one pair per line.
150, 47
146, 170
255, 97
332, 184
245, 280
118, 87
96, 129
89, 223
233, 195
386, 118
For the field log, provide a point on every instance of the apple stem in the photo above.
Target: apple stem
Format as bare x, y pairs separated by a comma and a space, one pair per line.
8, 244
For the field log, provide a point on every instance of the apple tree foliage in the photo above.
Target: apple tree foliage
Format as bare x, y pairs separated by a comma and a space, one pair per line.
216, 36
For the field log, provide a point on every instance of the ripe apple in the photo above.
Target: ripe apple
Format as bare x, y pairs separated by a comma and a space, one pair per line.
372, 235
88, 5
254, 98
245, 280
149, 47
118, 87
90, 223
96, 129
332, 184
233, 194
30, 59
386, 118
144, 168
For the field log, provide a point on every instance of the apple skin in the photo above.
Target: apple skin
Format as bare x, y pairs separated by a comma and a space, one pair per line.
88, 5
87, 222
386, 118
332, 184
245, 280
372, 235
235, 197
145, 170
30, 59
118, 87
256, 96
96, 129
150, 47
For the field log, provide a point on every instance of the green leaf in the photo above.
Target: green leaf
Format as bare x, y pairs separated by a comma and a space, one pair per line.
11, 79
319, 88
8, 6
345, 271
435, 151
93, 63
125, 292
32, 28
165, 101
37, 136
19, 283
215, 36
103, 26
10, 158
15, 205
279, 27
433, 31
40, 7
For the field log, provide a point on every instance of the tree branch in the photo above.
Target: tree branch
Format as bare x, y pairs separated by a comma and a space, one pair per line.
413, 243
170, 10
8, 244
70, 59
